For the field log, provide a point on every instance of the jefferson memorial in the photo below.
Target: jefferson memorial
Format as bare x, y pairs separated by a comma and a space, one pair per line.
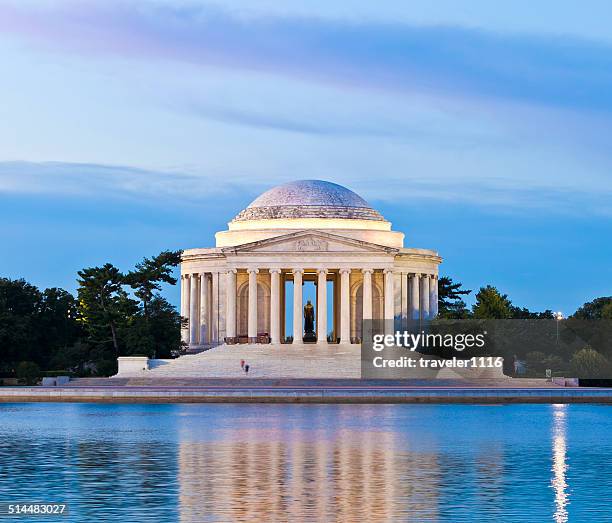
249, 287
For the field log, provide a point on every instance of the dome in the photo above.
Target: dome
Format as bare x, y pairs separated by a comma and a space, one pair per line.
309, 199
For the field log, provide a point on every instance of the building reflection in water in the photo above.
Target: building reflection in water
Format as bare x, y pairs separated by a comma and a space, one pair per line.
310, 463
559, 465
305, 474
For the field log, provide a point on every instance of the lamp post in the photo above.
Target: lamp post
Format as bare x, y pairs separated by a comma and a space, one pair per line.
558, 317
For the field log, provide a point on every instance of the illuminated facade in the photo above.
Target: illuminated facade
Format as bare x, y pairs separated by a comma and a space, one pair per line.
309, 230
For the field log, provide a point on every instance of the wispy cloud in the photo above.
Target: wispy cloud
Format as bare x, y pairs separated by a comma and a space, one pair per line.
93, 181
562, 72
86, 180
328, 125
268, 120
500, 196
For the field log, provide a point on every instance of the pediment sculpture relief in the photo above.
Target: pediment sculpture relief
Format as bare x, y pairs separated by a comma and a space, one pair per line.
311, 244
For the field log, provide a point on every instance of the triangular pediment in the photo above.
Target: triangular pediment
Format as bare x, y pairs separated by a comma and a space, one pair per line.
310, 242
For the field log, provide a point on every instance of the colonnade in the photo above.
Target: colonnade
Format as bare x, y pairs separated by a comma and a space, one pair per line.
208, 302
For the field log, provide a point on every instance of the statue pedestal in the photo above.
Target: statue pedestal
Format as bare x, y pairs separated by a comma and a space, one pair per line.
309, 337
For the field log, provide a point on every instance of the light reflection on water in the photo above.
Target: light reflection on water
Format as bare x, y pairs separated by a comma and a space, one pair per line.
559, 467
196, 463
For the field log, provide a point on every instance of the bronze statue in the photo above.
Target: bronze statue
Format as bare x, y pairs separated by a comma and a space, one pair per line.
309, 332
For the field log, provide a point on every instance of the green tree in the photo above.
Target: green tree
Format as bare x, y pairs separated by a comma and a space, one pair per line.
588, 363
538, 362
165, 328
59, 323
104, 306
28, 371
149, 274
523, 313
491, 304
598, 309
35, 325
75, 357
155, 329
20, 305
592, 324
159, 335
450, 302
54, 330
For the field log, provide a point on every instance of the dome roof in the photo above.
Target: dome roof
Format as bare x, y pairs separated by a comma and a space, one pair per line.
309, 199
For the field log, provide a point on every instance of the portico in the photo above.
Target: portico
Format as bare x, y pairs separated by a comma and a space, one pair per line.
246, 288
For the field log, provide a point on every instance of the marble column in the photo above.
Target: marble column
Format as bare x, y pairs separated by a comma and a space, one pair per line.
214, 308
183, 295
204, 307
230, 303
433, 296
298, 332
185, 307
367, 294
275, 305
252, 315
425, 297
389, 302
389, 313
322, 306
345, 306
367, 326
405, 301
414, 296
194, 313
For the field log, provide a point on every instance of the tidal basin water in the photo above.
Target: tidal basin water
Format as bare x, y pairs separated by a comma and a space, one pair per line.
157, 463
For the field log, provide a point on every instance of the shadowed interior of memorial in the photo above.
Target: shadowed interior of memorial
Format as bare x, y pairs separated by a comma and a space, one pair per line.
308, 240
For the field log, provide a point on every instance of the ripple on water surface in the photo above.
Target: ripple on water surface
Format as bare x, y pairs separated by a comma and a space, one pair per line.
342, 463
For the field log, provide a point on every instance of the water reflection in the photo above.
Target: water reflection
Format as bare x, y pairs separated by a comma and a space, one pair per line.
559, 468
308, 473
198, 463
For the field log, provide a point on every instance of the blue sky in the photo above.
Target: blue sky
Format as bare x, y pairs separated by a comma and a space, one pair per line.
480, 129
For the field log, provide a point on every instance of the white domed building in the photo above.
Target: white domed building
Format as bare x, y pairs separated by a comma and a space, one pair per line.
248, 288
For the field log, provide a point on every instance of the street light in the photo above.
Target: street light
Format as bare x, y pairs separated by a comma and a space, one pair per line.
558, 316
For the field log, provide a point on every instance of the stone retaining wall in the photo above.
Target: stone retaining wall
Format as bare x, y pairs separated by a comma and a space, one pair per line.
310, 395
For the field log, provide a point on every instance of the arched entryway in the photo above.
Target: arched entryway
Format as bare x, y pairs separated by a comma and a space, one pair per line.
357, 305
263, 309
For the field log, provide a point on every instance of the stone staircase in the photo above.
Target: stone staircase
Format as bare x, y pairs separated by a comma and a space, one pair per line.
288, 361
265, 361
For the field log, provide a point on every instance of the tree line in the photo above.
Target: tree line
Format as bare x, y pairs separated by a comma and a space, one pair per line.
576, 346
113, 314
489, 304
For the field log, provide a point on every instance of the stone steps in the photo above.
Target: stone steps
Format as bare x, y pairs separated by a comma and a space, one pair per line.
265, 361
280, 361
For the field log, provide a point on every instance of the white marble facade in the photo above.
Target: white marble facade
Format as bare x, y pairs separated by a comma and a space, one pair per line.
304, 231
